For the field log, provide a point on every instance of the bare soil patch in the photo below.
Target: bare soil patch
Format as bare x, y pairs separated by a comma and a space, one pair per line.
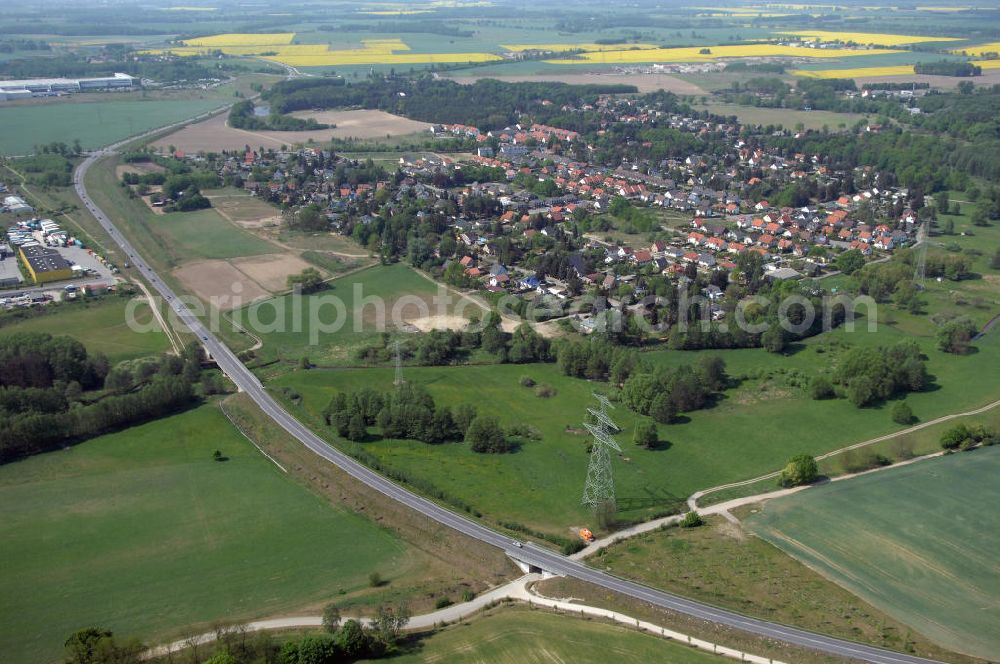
645, 82
453, 322
270, 270
428, 323
218, 281
213, 134
246, 211
365, 124
549, 329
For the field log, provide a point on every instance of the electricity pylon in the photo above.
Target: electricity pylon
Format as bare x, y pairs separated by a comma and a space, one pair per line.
399, 365
599, 490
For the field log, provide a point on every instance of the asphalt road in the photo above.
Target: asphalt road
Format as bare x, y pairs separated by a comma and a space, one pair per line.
543, 558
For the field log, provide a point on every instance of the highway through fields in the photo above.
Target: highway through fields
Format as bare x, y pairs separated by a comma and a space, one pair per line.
528, 553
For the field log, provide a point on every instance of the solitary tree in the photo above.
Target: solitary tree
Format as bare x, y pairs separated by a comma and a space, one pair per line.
956, 335
801, 469
774, 339
821, 388
353, 640
389, 621
901, 413
485, 435
646, 435
691, 520
331, 618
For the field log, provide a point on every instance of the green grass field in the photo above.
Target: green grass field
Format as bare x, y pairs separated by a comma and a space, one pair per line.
918, 542
389, 284
540, 485
100, 325
168, 240
753, 429
94, 123
977, 298
143, 533
789, 118
205, 234
723, 565
534, 637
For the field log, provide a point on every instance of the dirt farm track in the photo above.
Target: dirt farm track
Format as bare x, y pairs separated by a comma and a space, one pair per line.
214, 134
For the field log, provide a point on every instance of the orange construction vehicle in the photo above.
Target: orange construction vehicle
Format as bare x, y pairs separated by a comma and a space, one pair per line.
586, 535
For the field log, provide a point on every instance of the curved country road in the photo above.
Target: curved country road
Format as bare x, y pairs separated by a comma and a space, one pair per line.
531, 554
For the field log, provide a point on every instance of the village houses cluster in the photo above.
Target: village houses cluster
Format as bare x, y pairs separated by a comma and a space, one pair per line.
714, 192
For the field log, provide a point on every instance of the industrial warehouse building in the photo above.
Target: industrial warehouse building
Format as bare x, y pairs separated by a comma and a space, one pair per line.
16, 205
19, 89
45, 264
10, 275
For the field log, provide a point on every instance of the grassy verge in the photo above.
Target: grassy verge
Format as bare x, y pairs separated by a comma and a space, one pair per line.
519, 634
151, 234
585, 593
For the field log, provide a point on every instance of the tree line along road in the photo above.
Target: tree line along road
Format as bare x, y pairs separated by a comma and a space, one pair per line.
533, 555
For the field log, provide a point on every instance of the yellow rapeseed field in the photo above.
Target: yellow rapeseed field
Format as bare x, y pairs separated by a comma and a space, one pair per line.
396, 12
899, 70
980, 49
372, 51
238, 39
573, 47
864, 37
988, 64
693, 54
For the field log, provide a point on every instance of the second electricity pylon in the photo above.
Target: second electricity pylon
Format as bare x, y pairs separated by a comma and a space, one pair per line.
399, 365
599, 490
919, 270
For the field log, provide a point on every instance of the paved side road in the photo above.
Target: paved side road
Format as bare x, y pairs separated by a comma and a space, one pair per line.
544, 559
